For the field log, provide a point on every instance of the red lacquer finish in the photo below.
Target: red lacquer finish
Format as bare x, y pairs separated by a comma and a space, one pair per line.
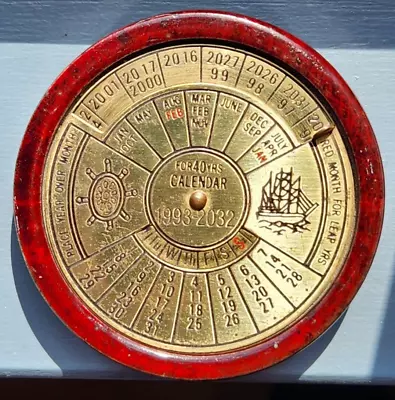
135, 38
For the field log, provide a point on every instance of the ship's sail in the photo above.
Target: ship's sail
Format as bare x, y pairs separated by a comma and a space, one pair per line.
283, 196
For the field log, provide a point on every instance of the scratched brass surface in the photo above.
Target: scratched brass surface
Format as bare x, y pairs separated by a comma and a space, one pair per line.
199, 198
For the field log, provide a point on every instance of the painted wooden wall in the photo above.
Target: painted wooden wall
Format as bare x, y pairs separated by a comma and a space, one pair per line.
39, 38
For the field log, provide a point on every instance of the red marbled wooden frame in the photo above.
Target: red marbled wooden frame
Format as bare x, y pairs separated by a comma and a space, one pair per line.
203, 25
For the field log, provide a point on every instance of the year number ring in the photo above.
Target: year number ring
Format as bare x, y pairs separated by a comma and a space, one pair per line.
199, 195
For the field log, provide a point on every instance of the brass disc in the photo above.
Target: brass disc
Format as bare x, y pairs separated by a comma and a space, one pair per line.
199, 198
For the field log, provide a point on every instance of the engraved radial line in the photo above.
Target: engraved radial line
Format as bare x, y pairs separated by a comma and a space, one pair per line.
304, 116
234, 252
234, 129
241, 69
160, 67
123, 156
252, 234
242, 297
124, 87
182, 290
213, 120
275, 90
80, 120
163, 126
267, 277
101, 249
119, 277
144, 227
275, 158
291, 257
115, 151
211, 309
146, 296
177, 307
187, 119
93, 112
135, 237
201, 63
254, 143
215, 258
143, 139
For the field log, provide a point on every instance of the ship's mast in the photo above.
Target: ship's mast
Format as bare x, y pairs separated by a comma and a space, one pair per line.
289, 185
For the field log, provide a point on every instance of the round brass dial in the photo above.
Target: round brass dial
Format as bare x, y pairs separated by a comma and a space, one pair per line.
199, 198
225, 193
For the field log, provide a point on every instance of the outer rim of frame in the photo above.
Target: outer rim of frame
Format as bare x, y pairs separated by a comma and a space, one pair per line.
204, 25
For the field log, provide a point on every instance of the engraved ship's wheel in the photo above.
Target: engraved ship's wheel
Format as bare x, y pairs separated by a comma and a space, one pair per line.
206, 207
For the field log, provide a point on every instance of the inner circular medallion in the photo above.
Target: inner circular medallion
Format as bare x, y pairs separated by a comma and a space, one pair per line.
198, 198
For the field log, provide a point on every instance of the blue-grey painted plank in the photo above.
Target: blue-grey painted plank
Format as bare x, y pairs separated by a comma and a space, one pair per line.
33, 342
323, 23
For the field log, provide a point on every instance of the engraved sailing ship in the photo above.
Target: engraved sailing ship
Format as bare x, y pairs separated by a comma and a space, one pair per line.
284, 205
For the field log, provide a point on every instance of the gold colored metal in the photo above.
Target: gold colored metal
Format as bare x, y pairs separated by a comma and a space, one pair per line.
184, 173
199, 198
